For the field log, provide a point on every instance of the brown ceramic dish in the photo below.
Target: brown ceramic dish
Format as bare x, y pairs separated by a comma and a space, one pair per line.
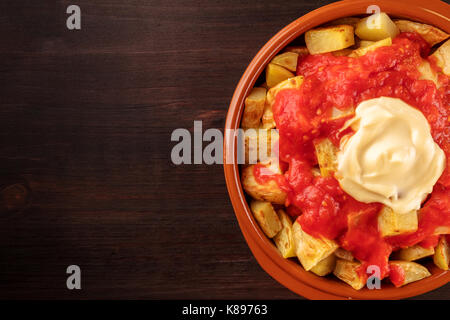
287, 272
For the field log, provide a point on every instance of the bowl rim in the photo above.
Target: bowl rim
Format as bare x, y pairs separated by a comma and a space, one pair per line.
283, 270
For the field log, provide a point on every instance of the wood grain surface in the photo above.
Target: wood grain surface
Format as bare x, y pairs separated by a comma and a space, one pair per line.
85, 123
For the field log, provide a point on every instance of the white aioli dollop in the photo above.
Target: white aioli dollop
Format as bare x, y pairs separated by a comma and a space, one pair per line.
391, 158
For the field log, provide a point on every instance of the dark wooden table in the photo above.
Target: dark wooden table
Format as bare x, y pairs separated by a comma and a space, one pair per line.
85, 123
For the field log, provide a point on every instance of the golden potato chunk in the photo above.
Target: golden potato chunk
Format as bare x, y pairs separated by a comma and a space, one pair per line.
291, 83
310, 250
287, 60
329, 39
363, 50
275, 74
325, 267
268, 191
441, 257
260, 145
284, 240
376, 27
411, 272
347, 272
254, 107
326, 153
365, 43
300, 50
344, 254
266, 217
427, 73
413, 253
431, 34
442, 56
391, 223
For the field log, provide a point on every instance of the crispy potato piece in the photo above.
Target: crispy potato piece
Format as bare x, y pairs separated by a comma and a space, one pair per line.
442, 56
300, 50
325, 267
441, 257
365, 43
291, 83
254, 107
427, 73
353, 21
326, 153
391, 223
431, 34
376, 27
363, 50
268, 121
410, 272
260, 145
287, 60
276, 74
344, 254
310, 251
284, 240
413, 253
346, 271
266, 216
269, 191
329, 39
342, 53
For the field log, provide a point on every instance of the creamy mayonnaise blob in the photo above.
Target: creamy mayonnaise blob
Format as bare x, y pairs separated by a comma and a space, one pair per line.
391, 158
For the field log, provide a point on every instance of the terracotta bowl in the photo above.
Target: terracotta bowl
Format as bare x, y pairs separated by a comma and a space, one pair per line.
289, 272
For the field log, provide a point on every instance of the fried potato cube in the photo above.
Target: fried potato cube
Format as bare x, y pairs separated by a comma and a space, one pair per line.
310, 250
266, 217
291, 83
376, 27
325, 267
441, 257
344, 254
275, 74
404, 272
391, 223
268, 121
413, 253
365, 43
347, 272
287, 60
268, 191
363, 50
431, 34
300, 50
442, 56
326, 153
284, 240
254, 107
329, 39
427, 73
260, 145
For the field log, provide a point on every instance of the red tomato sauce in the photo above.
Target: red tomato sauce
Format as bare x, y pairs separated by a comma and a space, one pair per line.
303, 116
397, 275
